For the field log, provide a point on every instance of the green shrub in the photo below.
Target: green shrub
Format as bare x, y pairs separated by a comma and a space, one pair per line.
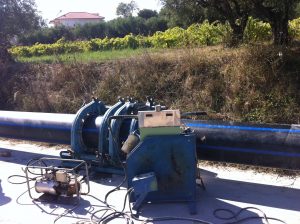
196, 35
257, 30
294, 28
206, 33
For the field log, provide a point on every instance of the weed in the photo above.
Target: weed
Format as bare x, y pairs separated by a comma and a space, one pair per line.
258, 83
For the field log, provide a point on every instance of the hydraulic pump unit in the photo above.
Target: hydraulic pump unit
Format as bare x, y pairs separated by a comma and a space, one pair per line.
52, 179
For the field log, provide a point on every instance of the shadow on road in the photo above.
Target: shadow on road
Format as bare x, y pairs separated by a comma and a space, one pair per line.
3, 199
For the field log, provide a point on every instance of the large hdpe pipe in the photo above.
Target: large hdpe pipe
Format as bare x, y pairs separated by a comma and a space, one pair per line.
264, 145
45, 127
254, 144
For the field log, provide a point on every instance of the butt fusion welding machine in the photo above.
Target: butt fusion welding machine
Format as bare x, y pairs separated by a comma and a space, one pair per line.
142, 142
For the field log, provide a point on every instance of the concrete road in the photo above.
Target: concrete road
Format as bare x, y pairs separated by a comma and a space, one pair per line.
226, 188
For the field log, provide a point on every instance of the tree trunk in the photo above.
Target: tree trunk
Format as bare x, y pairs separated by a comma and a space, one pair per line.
237, 36
280, 30
5, 57
238, 31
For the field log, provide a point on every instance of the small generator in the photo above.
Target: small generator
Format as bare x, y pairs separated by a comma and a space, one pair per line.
51, 179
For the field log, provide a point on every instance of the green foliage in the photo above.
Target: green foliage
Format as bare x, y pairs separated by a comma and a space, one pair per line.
294, 28
187, 12
183, 13
51, 35
207, 33
196, 35
257, 30
277, 13
155, 24
125, 9
249, 83
147, 13
86, 57
119, 27
17, 17
175, 37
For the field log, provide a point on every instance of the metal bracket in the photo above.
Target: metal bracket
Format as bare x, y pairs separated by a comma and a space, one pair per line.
114, 133
94, 108
103, 146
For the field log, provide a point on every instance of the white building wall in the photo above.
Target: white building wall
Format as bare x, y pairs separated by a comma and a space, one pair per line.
74, 22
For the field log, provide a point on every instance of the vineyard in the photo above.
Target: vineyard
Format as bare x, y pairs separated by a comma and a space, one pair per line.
204, 34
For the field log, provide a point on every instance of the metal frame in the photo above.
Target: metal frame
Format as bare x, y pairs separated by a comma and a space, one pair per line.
107, 155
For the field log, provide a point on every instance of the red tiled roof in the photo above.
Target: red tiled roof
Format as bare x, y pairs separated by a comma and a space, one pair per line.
79, 15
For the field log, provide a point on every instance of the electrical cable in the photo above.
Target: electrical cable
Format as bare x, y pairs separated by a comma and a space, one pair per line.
65, 213
105, 218
100, 210
129, 191
23, 176
113, 212
233, 215
20, 176
34, 179
166, 218
115, 189
114, 215
115, 142
33, 161
171, 218
18, 198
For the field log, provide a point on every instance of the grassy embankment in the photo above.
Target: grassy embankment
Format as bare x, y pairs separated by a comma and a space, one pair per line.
252, 83
93, 56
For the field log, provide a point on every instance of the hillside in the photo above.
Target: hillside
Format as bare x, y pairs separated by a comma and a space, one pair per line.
257, 83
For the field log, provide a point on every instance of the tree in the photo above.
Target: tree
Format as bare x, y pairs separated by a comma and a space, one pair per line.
236, 12
277, 13
16, 17
147, 13
182, 13
297, 10
120, 27
155, 24
125, 9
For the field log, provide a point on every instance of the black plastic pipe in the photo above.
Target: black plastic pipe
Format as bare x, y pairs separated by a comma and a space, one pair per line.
43, 127
46, 127
254, 144
263, 145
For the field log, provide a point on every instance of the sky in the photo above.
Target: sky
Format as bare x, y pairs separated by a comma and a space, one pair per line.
50, 9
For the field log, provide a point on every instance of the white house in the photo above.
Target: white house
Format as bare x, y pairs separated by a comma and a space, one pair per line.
72, 19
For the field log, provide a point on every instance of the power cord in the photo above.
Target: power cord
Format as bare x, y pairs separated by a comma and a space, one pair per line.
166, 218
129, 217
233, 215
113, 212
113, 190
23, 176
67, 211
20, 176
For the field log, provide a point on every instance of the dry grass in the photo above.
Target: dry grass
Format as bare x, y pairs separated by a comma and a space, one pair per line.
246, 84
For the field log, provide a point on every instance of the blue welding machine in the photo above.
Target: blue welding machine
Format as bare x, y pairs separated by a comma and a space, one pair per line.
162, 166
160, 157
